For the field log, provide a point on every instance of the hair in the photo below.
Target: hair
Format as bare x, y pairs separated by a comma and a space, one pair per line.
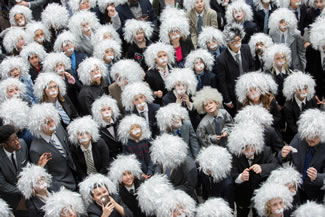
52, 59
81, 125
11, 37
239, 5
81, 17
127, 69
255, 113
6, 131
271, 51
190, 4
31, 28
5, 210
89, 64
259, 5
65, 36
4, 84
31, 49
166, 114
15, 112
232, 30
311, 124
209, 33
260, 37
98, 104
55, 15
182, 75
214, 207
282, 14
103, 4
99, 34
317, 34
133, 89
286, 175
12, 62
132, 26
201, 54
311, 3
101, 47
74, 4
310, 209
203, 96
151, 53
19, 9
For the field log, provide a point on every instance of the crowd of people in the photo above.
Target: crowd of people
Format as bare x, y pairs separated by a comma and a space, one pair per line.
162, 108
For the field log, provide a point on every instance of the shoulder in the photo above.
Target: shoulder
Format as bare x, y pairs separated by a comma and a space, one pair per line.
154, 106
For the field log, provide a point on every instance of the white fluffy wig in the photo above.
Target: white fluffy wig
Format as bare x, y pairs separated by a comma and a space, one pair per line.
55, 15
89, 64
19, 9
296, 81
190, 4
203, 96
175, 200
16, 112
202, 54
208, 34
170, 12
239, 5
151, 192
282, 14
133, 89
28, 178
125, 127
103, 4
166, 114
243, 134
127, 69
105, 30
269, 191
98, 104
31, 49
4, 84
311, 124
52, 59
101, 47
317, 34
151, 53
286, 175
81, 17
284, 3
38, 114
252, 80
169, 151
216, 207
83, 124
232, 30
271, 51
74, 4
64, 201
5, 210
31, 28
256, 113
182, 75
132, 26
64, 37
124, 163
260, 37
215, 161
259, 5
43, 80
310, 209
12, 62
11, 38
87, 186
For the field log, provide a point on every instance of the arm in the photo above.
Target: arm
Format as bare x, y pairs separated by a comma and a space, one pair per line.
228, 123
202, 134
214, 19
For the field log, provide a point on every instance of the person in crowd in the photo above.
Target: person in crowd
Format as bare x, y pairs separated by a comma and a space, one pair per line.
220, 6
13, 41
37, 32
314, 10
109, 13
106, 32
11, 88
309, 209
20, 16
82, 5
214, 207
160, 5
262, 11
300, 10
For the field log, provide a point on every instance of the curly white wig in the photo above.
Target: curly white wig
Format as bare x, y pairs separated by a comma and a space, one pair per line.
55, 15
203, 96
105, 30
127, 69
151, 192
202, 54
271, 51
89, 64
83, 124
31, 28
255, 113
311, 124
182, 75
38, 114
232, 30
284, 3
216, 207
259, 5
19, 9
208, 34
190, 4
74, 4
81, 17
133, 89
286, 175
169, 151
64, 37
132, 26
12, 62
215, 161
43, 80
176, 199
4, 84
260, 37
252, 80
101, 47
52, 59
5, 210
31, 49
11, 38
170, 12
16, 112
104, 101
64, 201
282, 14
166, 114
124, 163
103, 4
151, 53
317, 34
297, 81
28, 178
125, 127
243, 134
269, 191
87, 186
310, 209
239, 5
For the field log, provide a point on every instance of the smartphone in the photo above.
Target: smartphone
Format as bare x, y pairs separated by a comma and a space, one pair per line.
105, 200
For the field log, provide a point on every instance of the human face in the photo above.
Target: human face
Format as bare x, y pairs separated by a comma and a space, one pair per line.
199, 66
15, 73
68, 213
20, 43
276, 207
12, 144
48, 126
238, 15
40, 186
109, 55
86, 29
106, 113
59, 68
174, 35
34, 60
139, 101
52, 90
292, 188
68, 48
213, 44
179, 211
98, 193
280, 60
254, 95
96, 75
177, 122
84, 5
249, 151
283, 26
84, 138
107, 36
181, 88
127, 178
39, 36
139, 36
13, 91
319, 4
199, 6
235, 45
20, 20
295, 3
211, 107
162, 59
302, 93
312, 142
135, 131
259, 48
121, 82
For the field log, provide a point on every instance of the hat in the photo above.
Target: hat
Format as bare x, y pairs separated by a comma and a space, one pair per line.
216, 207
11, 38
132, 26
282, 14
89, 64
181, 75
285, 175
127, 69
44, 79
52, 59
32, 27
310, 209
98, 104
271, 51
151, 53
166, 114
311, 124
237, 6
16, 112
104, 30
64, 37
101, 47
19, 9
190, 4
209, 33
133, 89
12, 62
256, 113
260, 37
4, 84
55, 15
203, 96
232, 30
201, 54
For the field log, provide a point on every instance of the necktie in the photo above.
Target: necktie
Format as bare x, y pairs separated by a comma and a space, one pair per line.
168, 172
309, 156
218, 127
262, 64
110, 129
179, 132
90, 163
58, 147
303, 106
199, 24
63, 114
241, 71
14, 161
131, 191
297, 15
282, 39
199, 84
266, 21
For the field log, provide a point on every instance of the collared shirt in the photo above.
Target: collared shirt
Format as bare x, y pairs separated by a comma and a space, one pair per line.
136, 11
84, 150
293, 10
277, 72
9, 154
54, 137
201, 14
130, 188
299, 103
163, 72
111, 128
145, 112
73, 62
233, 54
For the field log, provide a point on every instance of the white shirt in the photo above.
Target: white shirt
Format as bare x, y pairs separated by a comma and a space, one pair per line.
54, 137
285, 35
130, 188
299, 103
277, 72
233, 54
9, 154
145, 112
201, 14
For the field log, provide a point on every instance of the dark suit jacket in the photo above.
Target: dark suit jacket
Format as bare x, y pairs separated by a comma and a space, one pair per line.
156, 83
33, 73
186, 47
115, 92
250, 28
101, 158
272, 139
303, 19
69, 108
259, 17
209, 79
8, 174
62, 169
34, 206
221, 13
79, 58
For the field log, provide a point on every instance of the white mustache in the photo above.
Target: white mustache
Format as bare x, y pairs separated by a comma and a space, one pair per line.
256, 95
279, 211
180, 92
70, 50
82, 140
43, 185
303, 95
59, 71
109, 57
135, 132
237, 45
107, 114
176, 36
213, 46
284, 27
52, 128
162, 60
87, 29
298, 3
52, 93
200, 66
97, 76
141, 105
21, 23
281, 63
40, 39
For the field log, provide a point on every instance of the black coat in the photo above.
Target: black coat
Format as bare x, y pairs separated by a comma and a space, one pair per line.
34, 206
186, 47
33, 73
303, 19
221, 13
156, 83
250, 28
209, 79
136, 53
69, 108
272, 139
259, 16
